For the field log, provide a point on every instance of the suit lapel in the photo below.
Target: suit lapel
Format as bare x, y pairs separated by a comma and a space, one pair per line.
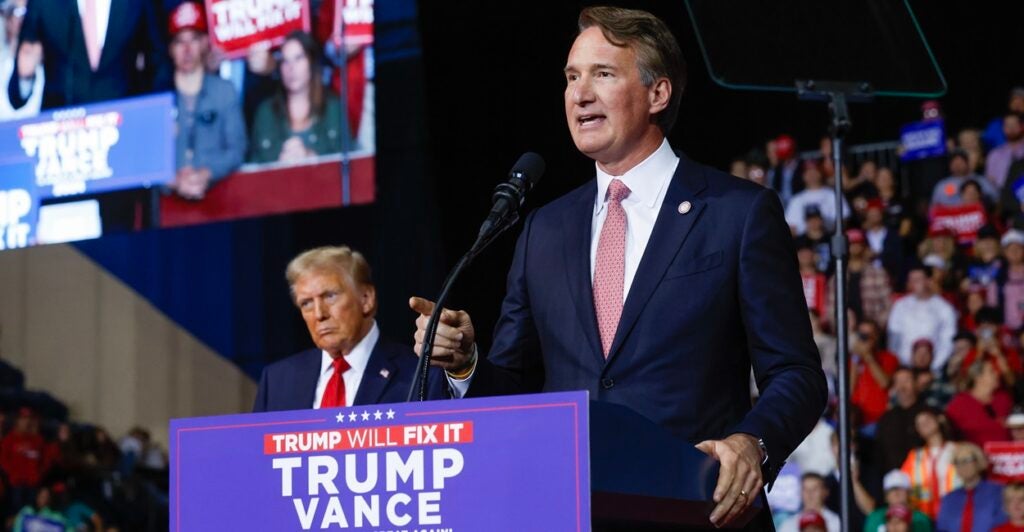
379, 372
670, 231
118, 13
306, 395
578, 225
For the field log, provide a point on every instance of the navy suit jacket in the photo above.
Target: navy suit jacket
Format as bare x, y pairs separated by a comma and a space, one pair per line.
290, 384
57, 24
716, 292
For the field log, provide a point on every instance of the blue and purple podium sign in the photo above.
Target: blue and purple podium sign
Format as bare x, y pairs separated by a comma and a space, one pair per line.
505, 463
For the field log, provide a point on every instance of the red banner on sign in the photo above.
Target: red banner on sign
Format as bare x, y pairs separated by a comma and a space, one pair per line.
1006, 460
353, 22
235, 25
964, 221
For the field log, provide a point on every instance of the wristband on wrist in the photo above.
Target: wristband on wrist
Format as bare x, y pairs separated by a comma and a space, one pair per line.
466, 372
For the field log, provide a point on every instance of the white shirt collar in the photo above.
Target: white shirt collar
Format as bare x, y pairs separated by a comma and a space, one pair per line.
645, 180
359, 357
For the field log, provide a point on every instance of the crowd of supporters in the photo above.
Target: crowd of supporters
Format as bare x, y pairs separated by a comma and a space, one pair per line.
278, 104
936, 326
57, 474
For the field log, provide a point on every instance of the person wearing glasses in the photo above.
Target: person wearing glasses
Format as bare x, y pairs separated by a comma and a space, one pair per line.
978, 503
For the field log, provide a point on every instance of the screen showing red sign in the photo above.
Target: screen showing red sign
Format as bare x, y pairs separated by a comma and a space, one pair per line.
237, 24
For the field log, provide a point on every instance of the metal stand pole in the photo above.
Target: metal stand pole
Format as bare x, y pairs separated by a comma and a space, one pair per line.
837, 95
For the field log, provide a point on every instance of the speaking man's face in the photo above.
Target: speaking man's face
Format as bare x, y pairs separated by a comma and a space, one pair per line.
608, 108
336, 311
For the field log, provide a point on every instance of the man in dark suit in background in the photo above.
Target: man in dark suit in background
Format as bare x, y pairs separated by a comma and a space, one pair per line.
351, 364
89, 50
659, 284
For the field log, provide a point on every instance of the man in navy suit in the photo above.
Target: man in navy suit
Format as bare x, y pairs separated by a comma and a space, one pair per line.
351, 364
89, 50
659, 284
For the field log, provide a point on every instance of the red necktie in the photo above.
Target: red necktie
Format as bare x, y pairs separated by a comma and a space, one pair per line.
967, 520
610, 266
334, 394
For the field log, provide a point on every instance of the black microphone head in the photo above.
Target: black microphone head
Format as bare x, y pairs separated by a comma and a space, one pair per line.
529, 168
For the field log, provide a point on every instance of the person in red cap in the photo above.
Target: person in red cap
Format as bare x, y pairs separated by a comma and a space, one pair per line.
813, 493
812, 522
885, 243
211, 130
786, 174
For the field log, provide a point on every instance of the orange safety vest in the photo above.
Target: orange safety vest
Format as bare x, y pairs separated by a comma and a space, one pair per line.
927, 485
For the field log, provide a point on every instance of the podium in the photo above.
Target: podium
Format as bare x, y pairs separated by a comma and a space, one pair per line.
545, 462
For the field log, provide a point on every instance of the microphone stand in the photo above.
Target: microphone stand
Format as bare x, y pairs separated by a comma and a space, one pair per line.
837, 94
426, 353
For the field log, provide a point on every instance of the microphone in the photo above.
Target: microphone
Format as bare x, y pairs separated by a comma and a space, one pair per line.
509, 196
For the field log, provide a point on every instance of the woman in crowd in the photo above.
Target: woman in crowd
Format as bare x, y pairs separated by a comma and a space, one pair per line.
930, 467
302, 119
979, 411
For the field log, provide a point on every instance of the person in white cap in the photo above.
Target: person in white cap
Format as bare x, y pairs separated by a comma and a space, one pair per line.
1011, 281
897, 493
1015, 422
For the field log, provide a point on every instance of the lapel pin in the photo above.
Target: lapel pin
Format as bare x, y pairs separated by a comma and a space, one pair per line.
684, 207
385, 373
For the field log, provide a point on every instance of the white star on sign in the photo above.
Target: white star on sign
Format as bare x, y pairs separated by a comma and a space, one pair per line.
340, 417
376, 415
365, 415
391, 414
352, 416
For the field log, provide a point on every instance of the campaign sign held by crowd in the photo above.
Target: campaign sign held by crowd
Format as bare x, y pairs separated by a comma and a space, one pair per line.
235, 25
505, 463
18, 207
1006, 459
921, 140
93, 148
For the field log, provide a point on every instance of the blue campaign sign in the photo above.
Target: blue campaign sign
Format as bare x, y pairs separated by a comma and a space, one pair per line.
113, 145
496, 464
921, 140
19, 207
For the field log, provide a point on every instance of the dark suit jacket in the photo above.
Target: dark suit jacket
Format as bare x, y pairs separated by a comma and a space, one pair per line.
57, 24
290, 384
717, 291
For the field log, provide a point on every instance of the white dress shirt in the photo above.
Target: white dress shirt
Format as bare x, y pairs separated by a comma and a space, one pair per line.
648, 184
357, 359
102, 19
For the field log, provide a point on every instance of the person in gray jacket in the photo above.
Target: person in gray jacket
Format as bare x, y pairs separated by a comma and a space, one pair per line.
211, 139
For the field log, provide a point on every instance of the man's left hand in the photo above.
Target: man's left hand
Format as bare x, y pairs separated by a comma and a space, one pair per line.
739, 476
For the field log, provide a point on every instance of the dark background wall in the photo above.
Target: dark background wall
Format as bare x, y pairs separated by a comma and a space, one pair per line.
463, 88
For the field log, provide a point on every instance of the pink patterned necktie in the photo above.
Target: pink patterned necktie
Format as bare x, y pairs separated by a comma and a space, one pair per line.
610, 268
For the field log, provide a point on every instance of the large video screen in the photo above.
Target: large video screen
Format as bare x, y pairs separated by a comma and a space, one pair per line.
182, 113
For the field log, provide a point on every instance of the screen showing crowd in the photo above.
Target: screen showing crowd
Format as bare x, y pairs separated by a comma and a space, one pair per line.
126, 115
